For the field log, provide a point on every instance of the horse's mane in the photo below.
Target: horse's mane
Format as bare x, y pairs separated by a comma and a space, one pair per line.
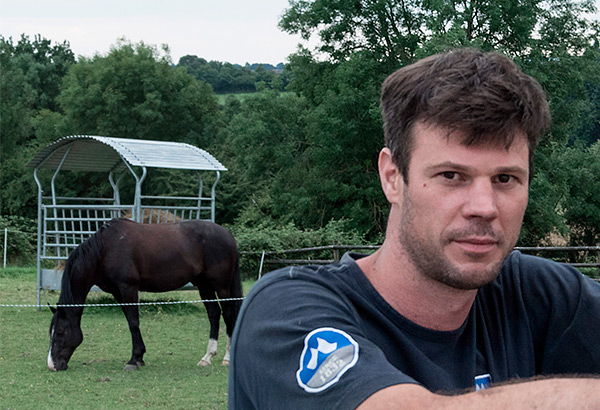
83, 260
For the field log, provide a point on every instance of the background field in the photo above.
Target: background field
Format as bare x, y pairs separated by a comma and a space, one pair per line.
175, 338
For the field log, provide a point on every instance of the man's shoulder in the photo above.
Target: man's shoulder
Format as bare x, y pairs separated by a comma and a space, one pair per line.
536, 268
309, 284
529, 274
319, 275
287, 274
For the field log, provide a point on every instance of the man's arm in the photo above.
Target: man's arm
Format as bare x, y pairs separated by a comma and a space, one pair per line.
580, 393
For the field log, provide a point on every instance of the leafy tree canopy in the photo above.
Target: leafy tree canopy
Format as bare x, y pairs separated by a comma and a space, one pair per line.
397, 32
134, 92
232, 78
30, 76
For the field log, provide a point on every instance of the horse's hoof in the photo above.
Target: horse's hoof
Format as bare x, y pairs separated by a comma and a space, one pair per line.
128, 367
203, 363
225, 362
141, 363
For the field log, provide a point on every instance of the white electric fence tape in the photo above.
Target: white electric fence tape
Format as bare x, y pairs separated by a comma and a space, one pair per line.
176, 302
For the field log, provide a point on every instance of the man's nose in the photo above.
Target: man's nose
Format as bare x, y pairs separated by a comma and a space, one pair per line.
481, 200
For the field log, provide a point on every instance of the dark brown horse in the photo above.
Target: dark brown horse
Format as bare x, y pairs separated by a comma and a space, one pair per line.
125, 257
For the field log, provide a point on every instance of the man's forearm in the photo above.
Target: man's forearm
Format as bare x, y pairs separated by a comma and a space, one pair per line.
559, 393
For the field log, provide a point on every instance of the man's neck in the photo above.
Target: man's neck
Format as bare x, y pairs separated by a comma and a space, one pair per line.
420, 299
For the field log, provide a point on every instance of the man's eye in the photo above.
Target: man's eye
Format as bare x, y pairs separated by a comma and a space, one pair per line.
449, 175
504, 178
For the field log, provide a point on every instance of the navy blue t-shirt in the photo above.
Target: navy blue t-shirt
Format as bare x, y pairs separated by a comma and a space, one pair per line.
322, 337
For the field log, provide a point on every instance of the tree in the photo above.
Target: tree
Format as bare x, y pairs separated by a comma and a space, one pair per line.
398, 31
264, 137
131, 92
335, 176
30, 76
384, 35
134, 92
547, 192
230, 78
291, 162
390, 30
582, 204
565, 59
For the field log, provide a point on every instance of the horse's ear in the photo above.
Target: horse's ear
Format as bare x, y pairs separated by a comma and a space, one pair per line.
52, 309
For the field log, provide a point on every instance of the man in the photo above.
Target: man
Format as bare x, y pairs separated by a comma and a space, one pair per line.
443, 304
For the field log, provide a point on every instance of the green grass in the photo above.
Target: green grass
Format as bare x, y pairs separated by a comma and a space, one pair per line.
175, 337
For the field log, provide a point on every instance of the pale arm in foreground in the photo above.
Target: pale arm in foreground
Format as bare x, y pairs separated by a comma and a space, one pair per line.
580, 393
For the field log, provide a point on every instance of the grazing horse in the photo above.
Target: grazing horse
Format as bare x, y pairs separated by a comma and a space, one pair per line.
124, 257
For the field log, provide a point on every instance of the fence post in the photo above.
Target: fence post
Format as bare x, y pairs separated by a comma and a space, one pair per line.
336, 252
262, 260
5, 242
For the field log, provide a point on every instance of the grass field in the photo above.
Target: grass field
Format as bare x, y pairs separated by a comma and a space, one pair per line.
175, 338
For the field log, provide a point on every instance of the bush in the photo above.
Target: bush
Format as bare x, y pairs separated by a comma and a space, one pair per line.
21, 244
267, 235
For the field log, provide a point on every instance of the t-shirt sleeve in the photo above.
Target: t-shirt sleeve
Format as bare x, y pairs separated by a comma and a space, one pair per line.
299, 344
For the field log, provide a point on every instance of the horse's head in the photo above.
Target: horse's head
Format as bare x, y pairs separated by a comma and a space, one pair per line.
65, 336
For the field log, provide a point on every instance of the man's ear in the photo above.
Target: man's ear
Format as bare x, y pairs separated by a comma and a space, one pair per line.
390, 176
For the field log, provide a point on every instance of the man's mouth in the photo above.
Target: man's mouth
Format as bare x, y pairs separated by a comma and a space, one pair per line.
476, 245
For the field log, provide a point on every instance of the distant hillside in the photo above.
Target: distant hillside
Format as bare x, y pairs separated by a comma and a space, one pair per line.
234, 78
269, 67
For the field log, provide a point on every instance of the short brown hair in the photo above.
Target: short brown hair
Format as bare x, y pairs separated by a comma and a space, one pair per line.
486, 96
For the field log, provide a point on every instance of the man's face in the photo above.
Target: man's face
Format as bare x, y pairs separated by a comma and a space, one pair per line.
462, 209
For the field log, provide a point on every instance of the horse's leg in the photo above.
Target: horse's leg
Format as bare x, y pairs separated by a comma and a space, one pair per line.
132, 314
229, 316
214, 316
226, 358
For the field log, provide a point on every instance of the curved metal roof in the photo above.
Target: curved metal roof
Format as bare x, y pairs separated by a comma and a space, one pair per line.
93, 153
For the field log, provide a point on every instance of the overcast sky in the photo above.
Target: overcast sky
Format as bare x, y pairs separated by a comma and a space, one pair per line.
235, 31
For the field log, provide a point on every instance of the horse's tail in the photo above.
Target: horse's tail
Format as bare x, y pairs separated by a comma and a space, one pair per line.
81, 267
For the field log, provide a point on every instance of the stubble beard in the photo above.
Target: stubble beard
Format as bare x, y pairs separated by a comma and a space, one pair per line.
427, 255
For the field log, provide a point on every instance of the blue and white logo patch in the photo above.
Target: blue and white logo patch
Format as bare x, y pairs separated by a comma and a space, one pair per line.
328, 353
